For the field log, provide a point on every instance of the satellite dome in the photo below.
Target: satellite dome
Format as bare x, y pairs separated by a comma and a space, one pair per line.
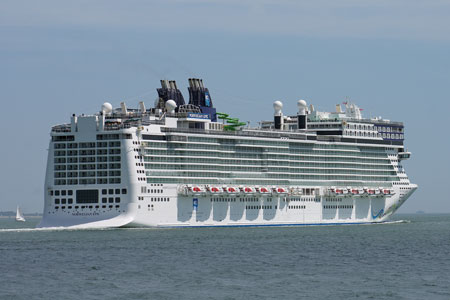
107, 108
277, 106
301, 104
171, 105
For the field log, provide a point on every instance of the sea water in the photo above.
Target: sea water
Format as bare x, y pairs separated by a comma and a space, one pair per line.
407, 259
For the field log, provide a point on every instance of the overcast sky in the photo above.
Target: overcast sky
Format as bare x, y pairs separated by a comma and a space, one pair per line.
60, 57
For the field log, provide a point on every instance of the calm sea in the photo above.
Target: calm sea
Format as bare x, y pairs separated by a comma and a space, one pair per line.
405, 260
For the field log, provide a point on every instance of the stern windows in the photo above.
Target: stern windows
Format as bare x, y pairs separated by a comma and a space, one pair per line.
87, 196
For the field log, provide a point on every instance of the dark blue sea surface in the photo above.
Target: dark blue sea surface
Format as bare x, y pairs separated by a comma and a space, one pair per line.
403, 260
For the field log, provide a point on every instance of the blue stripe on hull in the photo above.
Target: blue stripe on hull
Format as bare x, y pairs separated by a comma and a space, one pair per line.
269, 225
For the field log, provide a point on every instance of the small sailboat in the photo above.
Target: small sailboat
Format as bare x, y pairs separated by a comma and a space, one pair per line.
19, 215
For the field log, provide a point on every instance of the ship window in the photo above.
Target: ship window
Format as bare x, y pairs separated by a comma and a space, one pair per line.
118, 191
70, 192
111, 200
70, 200
87, 196
56, 201
51, 193
63, 193
117, 199
124, 191
110, 191
56, 193
104, 200
63, 201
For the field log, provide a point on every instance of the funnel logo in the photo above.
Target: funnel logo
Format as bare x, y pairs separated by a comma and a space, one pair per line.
207, 99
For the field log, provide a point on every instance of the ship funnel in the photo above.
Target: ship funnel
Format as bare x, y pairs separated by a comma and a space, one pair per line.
200, 97
170, 91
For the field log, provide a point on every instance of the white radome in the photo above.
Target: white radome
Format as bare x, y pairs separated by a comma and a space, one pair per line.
277, 106
301, 104
171, 105
107, 108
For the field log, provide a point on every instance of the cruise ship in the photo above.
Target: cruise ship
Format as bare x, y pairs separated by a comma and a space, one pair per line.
181, 164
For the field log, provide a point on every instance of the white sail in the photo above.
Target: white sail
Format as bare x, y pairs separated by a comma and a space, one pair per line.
19, 215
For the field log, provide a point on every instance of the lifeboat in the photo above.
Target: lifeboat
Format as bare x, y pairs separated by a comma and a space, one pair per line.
280, 190
264, 190
214, 190
386, 191
339, 191
371, 191
196, 189
232, 190
354, 191
248, 190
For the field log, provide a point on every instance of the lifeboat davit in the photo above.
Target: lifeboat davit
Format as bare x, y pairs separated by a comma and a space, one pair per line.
361, 191
248, 190
264, 190
232, 190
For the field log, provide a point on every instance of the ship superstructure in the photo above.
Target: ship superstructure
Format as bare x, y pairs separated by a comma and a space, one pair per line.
179, 164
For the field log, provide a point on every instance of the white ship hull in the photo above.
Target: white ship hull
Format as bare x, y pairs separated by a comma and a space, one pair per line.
206, 210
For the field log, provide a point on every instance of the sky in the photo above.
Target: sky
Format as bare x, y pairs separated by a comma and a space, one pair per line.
60, 57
